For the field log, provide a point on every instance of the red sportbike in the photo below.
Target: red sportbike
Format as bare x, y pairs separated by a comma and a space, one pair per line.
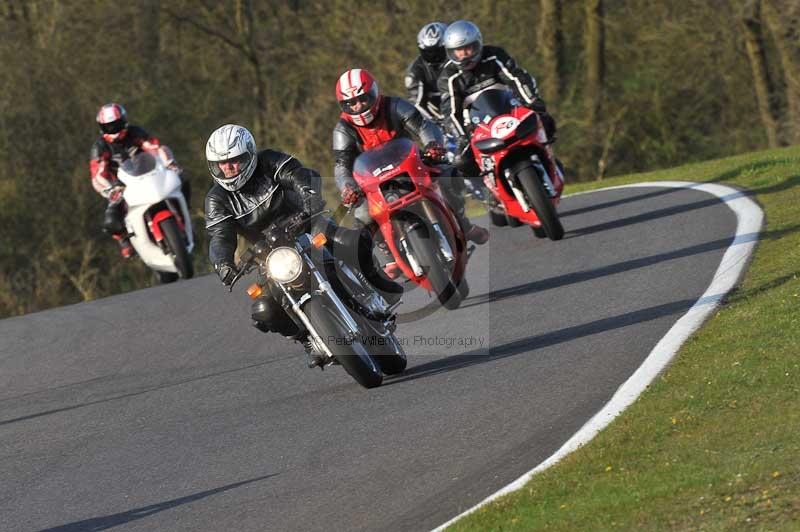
517, 164
416, 223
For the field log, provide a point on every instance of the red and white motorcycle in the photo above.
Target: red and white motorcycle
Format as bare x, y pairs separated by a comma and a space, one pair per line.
158, 220
517, 162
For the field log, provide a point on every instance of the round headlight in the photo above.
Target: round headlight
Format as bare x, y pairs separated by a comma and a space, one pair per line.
284, 264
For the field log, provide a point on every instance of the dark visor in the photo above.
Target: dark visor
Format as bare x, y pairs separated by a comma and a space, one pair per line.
365, 100
113, 127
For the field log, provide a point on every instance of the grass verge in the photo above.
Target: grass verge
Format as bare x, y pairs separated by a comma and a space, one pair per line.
714, 443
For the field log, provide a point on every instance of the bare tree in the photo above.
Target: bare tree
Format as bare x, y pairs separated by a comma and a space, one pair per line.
551, 49
242, 38
765, 88
595, 58
783, 20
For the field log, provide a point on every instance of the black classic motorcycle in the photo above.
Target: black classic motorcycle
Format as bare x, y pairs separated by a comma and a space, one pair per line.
348, 323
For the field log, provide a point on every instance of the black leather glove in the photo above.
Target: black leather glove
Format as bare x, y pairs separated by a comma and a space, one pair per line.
539, 106
226, 271
434, 152
312, 202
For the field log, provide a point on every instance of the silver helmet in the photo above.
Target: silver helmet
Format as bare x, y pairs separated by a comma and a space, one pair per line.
430, 41
231, 155
463, 43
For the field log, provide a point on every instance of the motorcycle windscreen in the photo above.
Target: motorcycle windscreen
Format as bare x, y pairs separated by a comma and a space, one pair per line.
491, 103
140, 164
389, 156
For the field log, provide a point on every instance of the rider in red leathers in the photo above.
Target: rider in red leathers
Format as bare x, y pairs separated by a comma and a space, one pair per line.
118, 142
369, 120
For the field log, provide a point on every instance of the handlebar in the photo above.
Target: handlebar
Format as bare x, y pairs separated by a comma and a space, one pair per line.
289, 225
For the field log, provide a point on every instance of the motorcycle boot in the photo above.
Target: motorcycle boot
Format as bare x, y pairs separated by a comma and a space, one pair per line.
125, 246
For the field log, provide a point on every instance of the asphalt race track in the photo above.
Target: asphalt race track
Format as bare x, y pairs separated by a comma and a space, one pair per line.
163, 409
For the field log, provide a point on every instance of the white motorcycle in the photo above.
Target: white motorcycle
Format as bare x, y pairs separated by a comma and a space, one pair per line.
158, 220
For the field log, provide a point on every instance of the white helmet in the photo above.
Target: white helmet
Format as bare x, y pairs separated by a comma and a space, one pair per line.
231, 144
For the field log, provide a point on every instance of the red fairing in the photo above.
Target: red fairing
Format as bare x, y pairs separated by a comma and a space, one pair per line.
503, 127
426, 191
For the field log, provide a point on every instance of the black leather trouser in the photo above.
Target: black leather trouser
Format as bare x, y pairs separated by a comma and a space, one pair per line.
114, 218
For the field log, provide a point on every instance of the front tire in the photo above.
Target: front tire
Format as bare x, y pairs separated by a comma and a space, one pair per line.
390, 356
424, 247
350, 353
531, 183
176, 245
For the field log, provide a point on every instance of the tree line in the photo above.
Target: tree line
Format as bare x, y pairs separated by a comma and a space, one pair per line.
634, 85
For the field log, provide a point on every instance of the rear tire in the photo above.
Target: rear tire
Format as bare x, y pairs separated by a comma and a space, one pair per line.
425, 250
175, 243
539, 232
351, 354
531, 183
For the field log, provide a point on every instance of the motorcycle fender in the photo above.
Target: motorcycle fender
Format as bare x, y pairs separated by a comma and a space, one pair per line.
155, 224
150, 253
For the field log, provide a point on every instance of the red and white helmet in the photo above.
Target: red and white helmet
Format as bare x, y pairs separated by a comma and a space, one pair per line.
113, 122
358, 96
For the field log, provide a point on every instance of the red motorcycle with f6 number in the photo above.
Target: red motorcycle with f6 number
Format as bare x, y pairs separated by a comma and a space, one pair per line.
517, 163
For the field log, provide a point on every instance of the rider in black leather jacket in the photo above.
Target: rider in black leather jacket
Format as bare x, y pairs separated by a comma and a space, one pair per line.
254, 189
473, 68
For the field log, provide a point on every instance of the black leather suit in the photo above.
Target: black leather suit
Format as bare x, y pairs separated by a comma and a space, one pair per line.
279, 187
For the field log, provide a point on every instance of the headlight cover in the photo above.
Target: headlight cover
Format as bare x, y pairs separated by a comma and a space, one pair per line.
284, 264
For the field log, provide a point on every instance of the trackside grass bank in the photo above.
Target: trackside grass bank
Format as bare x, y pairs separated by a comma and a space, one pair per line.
714, 442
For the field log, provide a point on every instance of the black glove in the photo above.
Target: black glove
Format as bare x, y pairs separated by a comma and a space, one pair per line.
226, 271
312, 202
539, 106
434, 152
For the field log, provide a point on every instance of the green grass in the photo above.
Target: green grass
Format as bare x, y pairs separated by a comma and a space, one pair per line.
714, 443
